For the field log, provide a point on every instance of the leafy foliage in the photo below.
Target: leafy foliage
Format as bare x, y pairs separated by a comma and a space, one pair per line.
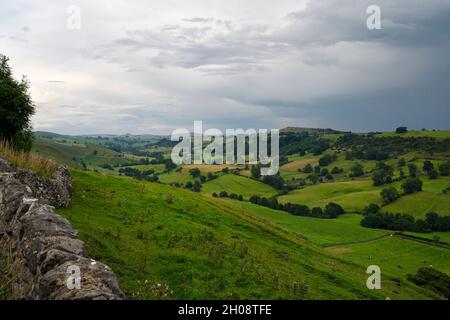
16, 108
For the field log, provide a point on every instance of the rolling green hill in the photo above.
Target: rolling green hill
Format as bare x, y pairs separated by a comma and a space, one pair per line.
74, 152
201, 247
205, 247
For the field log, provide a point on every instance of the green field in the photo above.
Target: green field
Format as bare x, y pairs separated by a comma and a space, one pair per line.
322, 232
203, 247
239, 185
396, 257
353, 196
72, 154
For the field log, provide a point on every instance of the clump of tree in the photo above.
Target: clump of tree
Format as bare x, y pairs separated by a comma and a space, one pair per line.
404, 222
224, 194
444, 169
382, 174
331, 211
147, 175
195, 172
389, 195
401, 130
255, 171
16, 108
327, 160
412, 185
275, 181
307, 169
373, 147
357, 170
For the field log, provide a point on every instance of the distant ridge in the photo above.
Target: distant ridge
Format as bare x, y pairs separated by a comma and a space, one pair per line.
311, 130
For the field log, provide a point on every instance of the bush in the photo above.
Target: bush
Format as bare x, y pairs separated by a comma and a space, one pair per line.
195, 172
356, 171
401, 130
255, 171
412, 168
275, 181
333, 210
433, 174
412, 185
197, 187
433, 279
371, 209
444, 169
307, 169
389, 195
326, 160
336, 170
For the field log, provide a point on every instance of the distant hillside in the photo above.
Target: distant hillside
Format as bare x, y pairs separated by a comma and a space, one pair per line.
311, 130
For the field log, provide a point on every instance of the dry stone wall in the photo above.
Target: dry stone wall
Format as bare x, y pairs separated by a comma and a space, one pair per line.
41, 256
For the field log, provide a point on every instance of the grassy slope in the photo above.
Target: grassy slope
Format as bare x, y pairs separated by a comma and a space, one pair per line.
239, 185
66, 152
395, 256
355, 195
319, 231
206, 248
352, 195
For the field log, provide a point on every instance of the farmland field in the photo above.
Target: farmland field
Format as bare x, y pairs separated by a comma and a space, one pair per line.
239, 185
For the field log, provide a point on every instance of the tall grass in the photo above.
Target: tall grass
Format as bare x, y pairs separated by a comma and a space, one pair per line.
27, 160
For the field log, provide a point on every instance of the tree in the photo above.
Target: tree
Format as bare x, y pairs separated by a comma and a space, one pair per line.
255, 171
412, 185
195, 172
16, 108
389, 195
412, 168
444, 169
333, 210
428, 166
401, 162
189, 185
371, 209
326, 160
433, 174
336, 170
197, 186
307, 169
275, 181
401, 130
357, 170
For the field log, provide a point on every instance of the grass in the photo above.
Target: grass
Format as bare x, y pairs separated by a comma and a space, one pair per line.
74, 154
206, 248
420, 203
442, 236
27, 160
240, 185
322, 232
353, 196
395, 256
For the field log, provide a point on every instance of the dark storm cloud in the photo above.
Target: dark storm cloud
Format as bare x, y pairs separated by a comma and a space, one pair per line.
133, 68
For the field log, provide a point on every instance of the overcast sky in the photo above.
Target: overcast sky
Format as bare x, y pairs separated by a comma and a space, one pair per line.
153, 66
